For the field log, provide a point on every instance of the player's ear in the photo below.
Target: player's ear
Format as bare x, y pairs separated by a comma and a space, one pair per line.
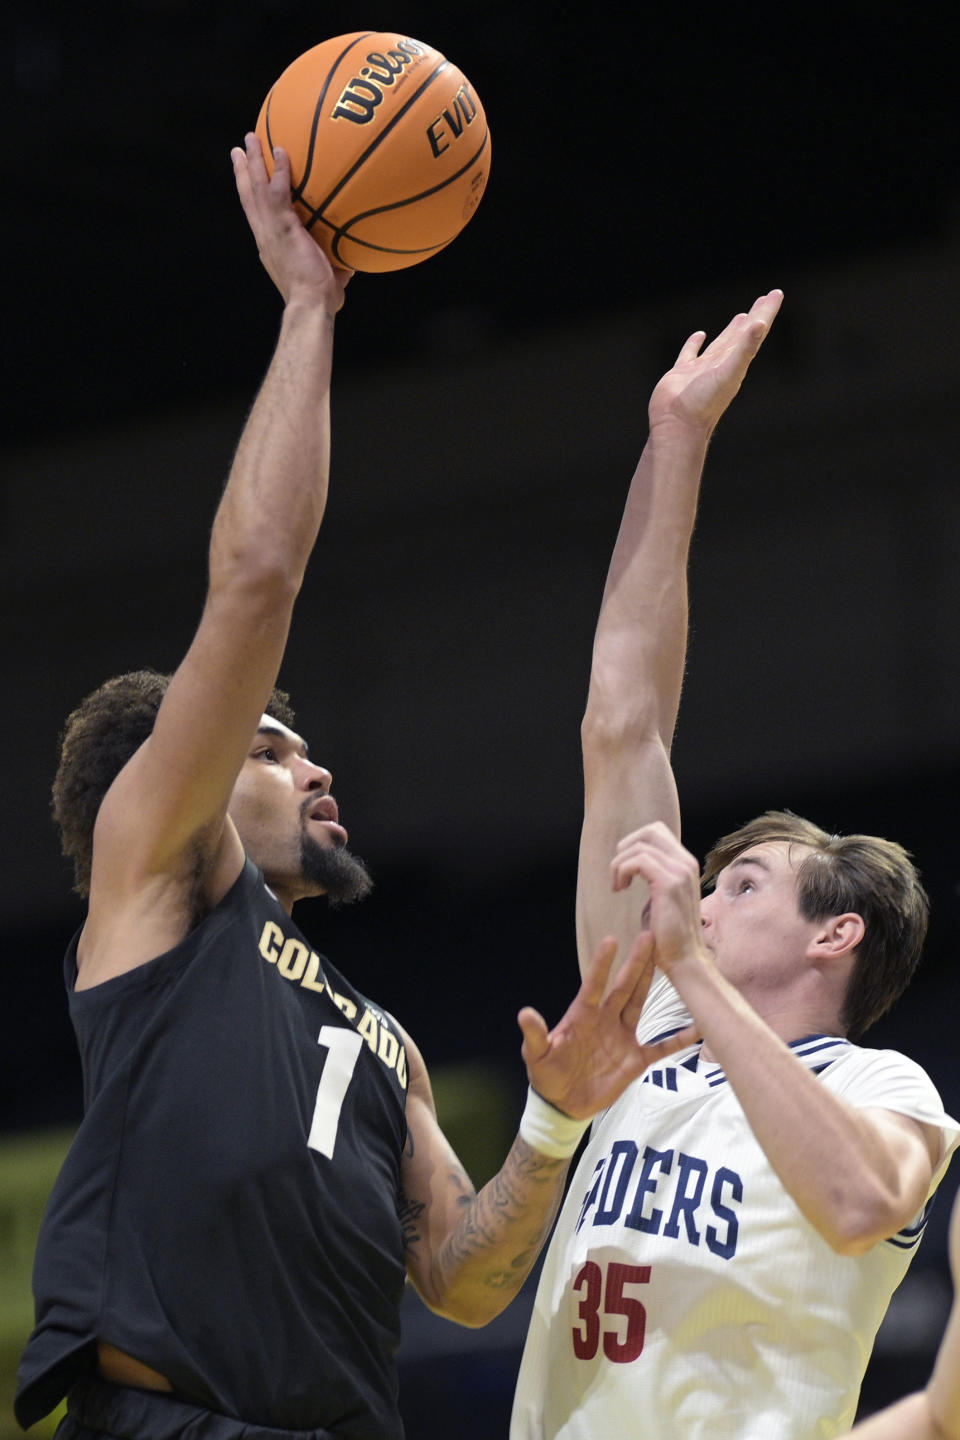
837, 936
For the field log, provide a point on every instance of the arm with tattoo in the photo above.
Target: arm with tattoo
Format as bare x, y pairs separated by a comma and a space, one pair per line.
504, 1226
467, 1253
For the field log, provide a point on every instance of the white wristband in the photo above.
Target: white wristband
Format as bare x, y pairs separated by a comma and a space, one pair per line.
547, 1129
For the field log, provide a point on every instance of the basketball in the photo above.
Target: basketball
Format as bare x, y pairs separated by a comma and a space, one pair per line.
388, 143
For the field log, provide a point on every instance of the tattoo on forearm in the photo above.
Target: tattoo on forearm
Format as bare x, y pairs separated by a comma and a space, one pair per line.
461, 1182
525, 1190
409, 1213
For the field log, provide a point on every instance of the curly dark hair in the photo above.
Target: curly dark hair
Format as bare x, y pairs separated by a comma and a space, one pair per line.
874, 878
98, 739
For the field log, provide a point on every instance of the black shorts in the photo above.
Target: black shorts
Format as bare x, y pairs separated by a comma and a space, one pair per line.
97, 1410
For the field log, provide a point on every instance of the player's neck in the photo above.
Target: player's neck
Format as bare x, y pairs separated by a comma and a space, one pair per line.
789, 1022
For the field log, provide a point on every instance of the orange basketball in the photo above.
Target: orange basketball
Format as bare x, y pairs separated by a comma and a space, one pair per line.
388, 143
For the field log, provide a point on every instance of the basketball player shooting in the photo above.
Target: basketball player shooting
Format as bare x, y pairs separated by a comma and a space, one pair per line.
259, 1167
741, 1215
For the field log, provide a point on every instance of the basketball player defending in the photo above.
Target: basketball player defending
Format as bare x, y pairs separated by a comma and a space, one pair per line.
259, 1166
742, 1214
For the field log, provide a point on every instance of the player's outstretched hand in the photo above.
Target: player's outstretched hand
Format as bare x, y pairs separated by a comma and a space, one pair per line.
294, 262
587, 1060
655, 854
701, 384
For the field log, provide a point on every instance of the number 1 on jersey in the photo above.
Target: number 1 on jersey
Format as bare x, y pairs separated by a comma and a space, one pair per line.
343, 1047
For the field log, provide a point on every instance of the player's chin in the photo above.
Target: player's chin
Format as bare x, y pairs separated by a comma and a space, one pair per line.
332, 870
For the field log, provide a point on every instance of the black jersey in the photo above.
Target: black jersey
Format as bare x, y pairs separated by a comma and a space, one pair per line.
227, 1213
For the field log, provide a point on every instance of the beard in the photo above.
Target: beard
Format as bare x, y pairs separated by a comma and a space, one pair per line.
341, 875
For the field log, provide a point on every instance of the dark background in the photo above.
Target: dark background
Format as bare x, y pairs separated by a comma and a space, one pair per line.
652, 171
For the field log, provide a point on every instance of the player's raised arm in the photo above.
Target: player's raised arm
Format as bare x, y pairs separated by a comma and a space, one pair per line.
640, 644
163, 820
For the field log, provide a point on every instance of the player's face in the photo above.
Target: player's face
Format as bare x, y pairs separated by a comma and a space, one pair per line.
287, 819
751, 924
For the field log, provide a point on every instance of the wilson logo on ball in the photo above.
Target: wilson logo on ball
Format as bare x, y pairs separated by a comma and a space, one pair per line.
365, 91
388, 145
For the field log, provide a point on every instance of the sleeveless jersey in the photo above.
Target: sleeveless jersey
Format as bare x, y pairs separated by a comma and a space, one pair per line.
684, 1294
227, 1213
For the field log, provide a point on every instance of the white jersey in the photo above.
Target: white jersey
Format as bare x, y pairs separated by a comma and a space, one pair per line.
684, 1296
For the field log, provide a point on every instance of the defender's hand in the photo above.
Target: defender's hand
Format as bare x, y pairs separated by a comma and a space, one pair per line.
699, 387
592, 1055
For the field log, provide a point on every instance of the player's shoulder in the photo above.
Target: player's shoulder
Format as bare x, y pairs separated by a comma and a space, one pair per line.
850, 1061
664, 1013
888, 1080
154, 929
